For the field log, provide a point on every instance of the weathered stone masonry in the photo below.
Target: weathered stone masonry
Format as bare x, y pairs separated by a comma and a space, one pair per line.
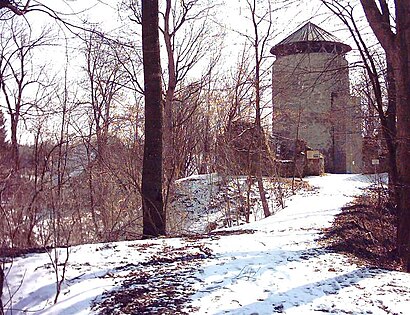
311, 97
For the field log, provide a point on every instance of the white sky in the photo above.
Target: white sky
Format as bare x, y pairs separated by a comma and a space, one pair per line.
234, 14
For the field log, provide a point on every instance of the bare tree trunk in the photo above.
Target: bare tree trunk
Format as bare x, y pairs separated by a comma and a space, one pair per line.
14, 144
1, 287
169, 96
390, 132
248, 196
259, 130
403, 146
396, 42
168, 135
154, 218
262, 195
387, 118
295, 150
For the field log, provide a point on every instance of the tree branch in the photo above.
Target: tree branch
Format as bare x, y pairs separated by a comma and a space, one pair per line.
377, 22
8, 4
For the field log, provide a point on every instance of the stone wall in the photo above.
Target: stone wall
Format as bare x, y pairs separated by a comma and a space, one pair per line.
311, 99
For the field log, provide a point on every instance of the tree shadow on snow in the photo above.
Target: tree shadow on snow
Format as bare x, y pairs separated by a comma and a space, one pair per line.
279, 302
28, 304
251, 266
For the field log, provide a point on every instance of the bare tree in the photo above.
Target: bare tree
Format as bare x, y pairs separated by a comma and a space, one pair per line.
185, 31
3, 178
394, 39
259, 44
6, 4
18, 75
380, 79
154, 219
104, 84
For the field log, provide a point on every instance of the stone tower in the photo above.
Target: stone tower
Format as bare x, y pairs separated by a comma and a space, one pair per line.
311, 97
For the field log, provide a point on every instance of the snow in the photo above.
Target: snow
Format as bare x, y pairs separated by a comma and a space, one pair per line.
275, 265
211, 200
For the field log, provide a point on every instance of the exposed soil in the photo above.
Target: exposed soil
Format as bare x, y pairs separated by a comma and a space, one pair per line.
161, 285
366, 230
18, 252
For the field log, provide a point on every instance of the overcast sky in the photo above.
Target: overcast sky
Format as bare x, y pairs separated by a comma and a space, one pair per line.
233, 15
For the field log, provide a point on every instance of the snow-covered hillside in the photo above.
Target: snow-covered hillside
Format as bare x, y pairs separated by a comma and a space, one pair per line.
209, 201
271, 266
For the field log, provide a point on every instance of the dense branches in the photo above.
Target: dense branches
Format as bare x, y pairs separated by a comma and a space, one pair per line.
396, 42
380, 79
14, 7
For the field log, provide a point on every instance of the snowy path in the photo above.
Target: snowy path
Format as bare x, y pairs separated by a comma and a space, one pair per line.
280, 268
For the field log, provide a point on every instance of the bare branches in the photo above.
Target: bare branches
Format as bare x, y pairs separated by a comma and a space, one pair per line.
377, 21
14, 7
77, 29
17, 76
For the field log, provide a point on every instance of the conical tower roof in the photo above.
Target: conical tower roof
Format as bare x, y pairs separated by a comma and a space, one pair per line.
310, 33
310, 38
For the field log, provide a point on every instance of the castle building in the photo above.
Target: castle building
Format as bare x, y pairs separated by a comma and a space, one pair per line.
311, 98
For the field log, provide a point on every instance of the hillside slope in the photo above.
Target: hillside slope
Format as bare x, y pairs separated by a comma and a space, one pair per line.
271, 266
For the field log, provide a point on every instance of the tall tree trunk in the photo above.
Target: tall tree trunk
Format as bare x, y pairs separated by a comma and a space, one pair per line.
258, 123
397, 47
260, 136
403, 166
390, 132
168, 135
154, 218
402, 75
387, 118
14, 144
1, 287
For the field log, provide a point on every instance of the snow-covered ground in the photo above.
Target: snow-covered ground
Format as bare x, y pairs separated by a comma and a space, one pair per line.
272, 266
208, 201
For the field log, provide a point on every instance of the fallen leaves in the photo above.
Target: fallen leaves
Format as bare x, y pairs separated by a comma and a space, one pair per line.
161, 285
365, 229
